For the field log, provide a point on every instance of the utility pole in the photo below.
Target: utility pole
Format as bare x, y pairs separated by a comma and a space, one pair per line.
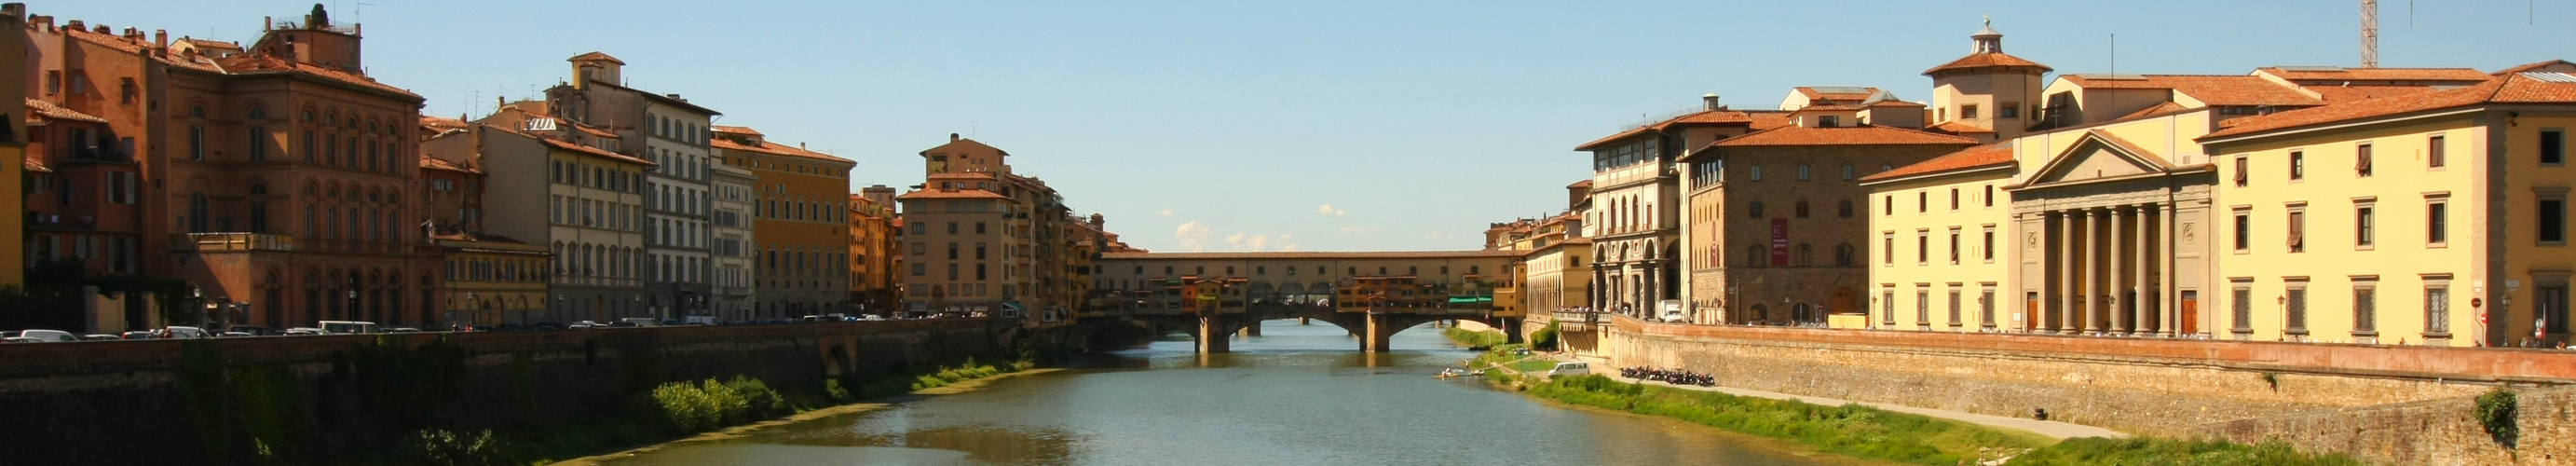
2370, 33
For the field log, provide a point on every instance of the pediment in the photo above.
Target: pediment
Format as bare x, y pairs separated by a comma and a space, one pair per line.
2099, 156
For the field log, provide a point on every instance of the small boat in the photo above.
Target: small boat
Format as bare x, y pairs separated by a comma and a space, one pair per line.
1449, 372
1476, 372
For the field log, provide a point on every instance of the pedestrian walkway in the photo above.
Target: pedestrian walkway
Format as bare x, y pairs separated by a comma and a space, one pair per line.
2052, 429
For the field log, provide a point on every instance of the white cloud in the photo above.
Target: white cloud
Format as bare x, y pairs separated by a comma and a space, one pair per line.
1329, 211
1192, 236
1247, 242
1362, 231
1289, 247
1165, 213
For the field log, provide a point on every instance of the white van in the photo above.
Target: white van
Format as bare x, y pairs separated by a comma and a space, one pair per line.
1570, 368
339, 327
50, 335
1672, 311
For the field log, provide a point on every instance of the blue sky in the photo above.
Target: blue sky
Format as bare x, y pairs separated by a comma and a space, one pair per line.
1233, 125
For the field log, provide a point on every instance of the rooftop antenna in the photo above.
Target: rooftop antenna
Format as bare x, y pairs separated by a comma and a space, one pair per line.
358, 14
2370, 33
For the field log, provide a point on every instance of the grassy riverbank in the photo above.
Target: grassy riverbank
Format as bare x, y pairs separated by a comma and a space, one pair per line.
1849, 430
680, 410
1475, 340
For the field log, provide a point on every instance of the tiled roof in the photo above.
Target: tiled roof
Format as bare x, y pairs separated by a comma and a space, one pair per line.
2378, 74
2513, 88
743, 130
1958, 128
767, 147
1827, 108
1768, 120
111, 40
1987, 60
2341, 94
256, 64
1308, 255
34, 163
1990, 155
1847, 135
434, 163
596, 56
1813, 93
595, 151
594, 131
958, 194
2535, 67
962, 176
1704, 117
2160, 109
1580, 184
1894, 103
36, 108
212, 44
441, 124
2209, 89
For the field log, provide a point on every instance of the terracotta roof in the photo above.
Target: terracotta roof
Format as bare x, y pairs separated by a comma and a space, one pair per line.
257, 64
1958, 128
1990, 155
434, 163
962, 176
1822, 108
595, 151
212, 44
958, 194
767, 147
1308, 255
441, 124
1704, 117
2377, 74
1847, 135
1894, 103
2514, 88
2535, 67
1768, 120
34, 165
111, 40
2209, 89
36, 108
593, 131
1580, 184
2160, 109
2340, 94
1987, 60
596, 56
1813, 94
744, 130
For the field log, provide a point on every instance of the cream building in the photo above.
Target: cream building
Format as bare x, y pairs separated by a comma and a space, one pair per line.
730, 240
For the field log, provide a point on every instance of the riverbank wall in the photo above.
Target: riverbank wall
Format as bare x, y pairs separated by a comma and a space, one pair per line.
2242, 391
257, 400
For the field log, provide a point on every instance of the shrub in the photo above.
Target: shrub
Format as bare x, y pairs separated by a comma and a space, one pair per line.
2161, 451
441, 447
2496, 413
1544, 338
707, 405
832, 388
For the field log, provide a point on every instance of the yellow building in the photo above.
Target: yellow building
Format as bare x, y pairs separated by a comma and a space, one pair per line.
800, 226
2439, 218
493, 280
873, 285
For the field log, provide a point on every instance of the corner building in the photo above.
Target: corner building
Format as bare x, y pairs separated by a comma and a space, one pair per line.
800, 203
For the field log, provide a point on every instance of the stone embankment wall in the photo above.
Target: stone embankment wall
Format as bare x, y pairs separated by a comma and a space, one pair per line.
2149, 386
218, 401
2443, 431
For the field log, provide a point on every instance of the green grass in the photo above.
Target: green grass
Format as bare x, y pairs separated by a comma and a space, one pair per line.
1475, 339
1850, 430
1533, 365
2163, 452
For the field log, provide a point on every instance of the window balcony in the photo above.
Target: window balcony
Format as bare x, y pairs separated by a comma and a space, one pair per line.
206, 242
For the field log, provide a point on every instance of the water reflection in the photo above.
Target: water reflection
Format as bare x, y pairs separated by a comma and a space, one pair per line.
1296, 395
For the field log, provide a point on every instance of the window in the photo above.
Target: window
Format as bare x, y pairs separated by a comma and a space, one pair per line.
920, 228
1954, 199
1755, 209
2241, 300
1828, 121
952, 228
2294, 302
2298, 228
2244, 230
2553, 216
979, 228
2433, 151
2361, 160
1849, 173
1990, 195
1987, 248
1986, 305
1968, 112
1922, 247
1888, 243
2008, 110
2241, 173
1954, 305
1845, 209
2437, 306
952, 251
2553, 146
1888, 203
2298, 165
258, 144
2437, 221
1922, 305
1922, 201
1802, 209
1887, 305
196, 142
2551, 306
1954, 246
1843, 255
1756, 175
1802, 173
2361, 225
2365, 307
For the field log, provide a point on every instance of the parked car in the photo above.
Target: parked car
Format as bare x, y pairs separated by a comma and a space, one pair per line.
402, 330
255, 330
305, 331
1569, 368
236, 335
100, 337
701, 320
176, 331
48, 335
546, 326
636, 322
138, 335
22, 340
585, 325
349, 326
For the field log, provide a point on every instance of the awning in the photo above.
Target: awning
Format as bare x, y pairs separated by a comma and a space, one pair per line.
1013, 306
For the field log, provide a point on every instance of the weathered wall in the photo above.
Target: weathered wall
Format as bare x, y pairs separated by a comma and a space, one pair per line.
2443, 431
2147, 386
148, 402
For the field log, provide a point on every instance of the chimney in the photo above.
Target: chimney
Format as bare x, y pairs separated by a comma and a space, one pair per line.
76, 26
676, 97
133, 34
1710, 101
1097, 220
43, 20
952, 137
161, 40
13, 10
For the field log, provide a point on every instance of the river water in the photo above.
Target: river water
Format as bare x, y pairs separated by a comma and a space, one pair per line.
1299, 394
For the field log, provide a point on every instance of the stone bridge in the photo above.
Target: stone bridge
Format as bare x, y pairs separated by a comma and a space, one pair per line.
1373, 325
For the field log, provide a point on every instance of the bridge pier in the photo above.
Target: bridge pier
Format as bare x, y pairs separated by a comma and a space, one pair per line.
1252, 329
1214, 337
1303, 321
1380, 328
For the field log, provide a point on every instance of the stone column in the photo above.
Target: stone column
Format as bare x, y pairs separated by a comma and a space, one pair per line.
2113, 318
2094, 282
2067, 289
2146, 295
1379, 328
1213, 336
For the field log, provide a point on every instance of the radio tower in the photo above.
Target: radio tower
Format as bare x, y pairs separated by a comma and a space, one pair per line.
2370, 33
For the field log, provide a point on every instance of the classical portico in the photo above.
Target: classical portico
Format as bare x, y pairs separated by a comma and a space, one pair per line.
2109, 241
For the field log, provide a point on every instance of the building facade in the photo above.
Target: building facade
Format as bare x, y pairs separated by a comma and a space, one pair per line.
873, 250
981, 239
1779, 224
800, 203
730, 242
673, 134
1636, 217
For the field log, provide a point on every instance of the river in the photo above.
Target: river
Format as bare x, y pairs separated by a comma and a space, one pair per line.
1299, 394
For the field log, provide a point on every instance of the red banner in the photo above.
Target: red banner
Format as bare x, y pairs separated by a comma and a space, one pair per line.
1779, 242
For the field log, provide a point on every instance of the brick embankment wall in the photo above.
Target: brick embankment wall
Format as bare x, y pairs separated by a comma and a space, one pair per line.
2146, 386
2442, 431
148, 402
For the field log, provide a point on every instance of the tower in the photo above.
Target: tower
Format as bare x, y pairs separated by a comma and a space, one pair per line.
1988, 95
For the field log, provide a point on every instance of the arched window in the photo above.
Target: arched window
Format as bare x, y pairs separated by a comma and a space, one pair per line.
1802, 209
1806, 255
1754, 256
197, 212
257, 188
1844, 210
196, 111
1755, 209
258, 113
1843, 255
